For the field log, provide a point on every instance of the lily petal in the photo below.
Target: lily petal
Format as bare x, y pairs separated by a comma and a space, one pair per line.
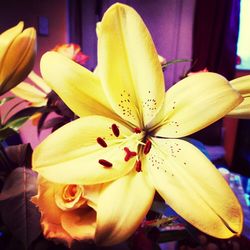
194, 103
39, 82
242, 84
91, 194
194, 188
78, 87
122, 206
29, 93
80, 223
242, 111
73, 155
128, 65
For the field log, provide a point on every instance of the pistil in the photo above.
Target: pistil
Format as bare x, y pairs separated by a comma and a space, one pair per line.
129, 154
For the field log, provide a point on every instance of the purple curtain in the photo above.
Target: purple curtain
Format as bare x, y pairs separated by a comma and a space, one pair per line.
215, 36
82, 18
74, 21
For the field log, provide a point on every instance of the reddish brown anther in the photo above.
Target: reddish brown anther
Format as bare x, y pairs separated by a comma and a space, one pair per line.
115, 130
147, 147
105, 163
101, 142
129, 154
138, 166
137, 130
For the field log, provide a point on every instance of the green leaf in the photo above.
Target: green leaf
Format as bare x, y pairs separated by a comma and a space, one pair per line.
17, 123
17, 212
10, 110
160, 223
164, 66
27, 112
42, 120
4, 160
20, 155
6, 99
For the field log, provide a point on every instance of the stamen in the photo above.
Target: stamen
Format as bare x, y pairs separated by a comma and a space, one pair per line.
105, 163
101, 142
129, 154
147, 147
115, 130
137, 130
138, 166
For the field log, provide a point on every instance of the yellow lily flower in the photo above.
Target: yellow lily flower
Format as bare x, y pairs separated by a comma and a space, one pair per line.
17, 54
133, 134
242, 85
35, 94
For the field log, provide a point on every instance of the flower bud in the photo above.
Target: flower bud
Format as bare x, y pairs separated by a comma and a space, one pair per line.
17, 55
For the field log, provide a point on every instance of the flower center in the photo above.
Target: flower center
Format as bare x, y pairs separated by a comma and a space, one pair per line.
69, 192
144, 147
70, 197
129, 154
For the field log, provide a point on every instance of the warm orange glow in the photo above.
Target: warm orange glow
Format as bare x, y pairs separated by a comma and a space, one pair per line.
72, 51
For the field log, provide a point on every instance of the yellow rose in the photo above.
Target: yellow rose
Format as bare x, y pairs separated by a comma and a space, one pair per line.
68, 212
17, 54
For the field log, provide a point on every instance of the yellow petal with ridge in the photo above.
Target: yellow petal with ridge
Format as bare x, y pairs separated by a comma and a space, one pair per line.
194, 103
122, 206
76, 153
128, 65
193, 187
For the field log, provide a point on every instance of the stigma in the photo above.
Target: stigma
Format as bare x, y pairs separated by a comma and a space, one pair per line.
129, 154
